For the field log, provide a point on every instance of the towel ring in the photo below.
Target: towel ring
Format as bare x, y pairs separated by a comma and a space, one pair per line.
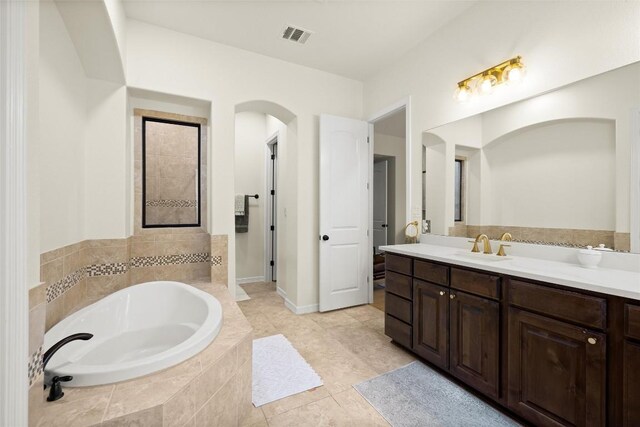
411, 232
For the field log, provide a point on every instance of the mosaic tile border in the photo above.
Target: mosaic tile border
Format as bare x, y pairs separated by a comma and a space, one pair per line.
158, 260
61, 286
36, 367
171, 203
216, 260
107, 269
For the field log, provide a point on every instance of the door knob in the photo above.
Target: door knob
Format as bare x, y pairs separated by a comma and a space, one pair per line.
452, 296
325, 237
592, 340
385, 225
441, 293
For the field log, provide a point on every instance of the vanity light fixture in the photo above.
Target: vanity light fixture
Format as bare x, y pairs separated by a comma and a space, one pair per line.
511, 71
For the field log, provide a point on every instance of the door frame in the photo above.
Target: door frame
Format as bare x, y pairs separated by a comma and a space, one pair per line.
14, 291
271, 205
404, 103
386, 196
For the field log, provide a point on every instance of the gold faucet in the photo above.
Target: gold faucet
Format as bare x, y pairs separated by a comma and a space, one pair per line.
487, 245
506, 237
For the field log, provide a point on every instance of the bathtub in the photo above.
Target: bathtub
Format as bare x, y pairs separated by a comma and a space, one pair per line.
136, 331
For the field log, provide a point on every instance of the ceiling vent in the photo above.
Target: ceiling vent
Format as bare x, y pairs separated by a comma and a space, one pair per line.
297, 35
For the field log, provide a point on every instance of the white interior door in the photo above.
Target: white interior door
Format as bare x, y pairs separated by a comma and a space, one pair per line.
380, 204
344, 212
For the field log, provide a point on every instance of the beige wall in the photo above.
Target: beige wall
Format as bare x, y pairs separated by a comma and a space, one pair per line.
105, 162
63, 115
250, 146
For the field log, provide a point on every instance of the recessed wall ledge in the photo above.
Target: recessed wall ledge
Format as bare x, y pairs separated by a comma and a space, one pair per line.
610, 260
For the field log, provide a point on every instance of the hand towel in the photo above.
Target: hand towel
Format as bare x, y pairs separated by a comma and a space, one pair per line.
240, 204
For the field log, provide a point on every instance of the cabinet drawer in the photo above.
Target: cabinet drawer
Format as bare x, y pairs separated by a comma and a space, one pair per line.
632, 321
398, 284
481, 284
434, 273
398, 331
566, 305
399, 308
398, 264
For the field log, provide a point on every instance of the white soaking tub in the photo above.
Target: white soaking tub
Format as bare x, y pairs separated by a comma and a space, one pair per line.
136, 331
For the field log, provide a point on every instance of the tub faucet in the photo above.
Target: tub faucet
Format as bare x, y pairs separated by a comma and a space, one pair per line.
56, 389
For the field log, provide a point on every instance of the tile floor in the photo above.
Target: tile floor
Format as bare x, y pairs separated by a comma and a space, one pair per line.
344, 347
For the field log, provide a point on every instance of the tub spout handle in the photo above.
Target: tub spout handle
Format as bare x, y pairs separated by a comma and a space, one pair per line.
56, 389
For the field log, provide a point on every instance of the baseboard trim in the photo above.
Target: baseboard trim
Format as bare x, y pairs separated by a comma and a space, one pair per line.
245, 280
281, 292
304, 309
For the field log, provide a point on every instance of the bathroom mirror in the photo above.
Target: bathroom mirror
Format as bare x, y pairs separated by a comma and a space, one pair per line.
170, 173
551, 169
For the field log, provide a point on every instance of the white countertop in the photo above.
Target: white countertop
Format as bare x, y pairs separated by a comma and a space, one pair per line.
607, 281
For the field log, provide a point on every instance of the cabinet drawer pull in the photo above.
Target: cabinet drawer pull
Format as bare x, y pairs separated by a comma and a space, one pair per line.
441, 293
592, 340
452, 296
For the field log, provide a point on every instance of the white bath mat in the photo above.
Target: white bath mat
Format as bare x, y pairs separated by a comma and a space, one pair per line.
279, 370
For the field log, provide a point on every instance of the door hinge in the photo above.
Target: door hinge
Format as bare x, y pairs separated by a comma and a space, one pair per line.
273, 156
272, 228
367, 233
367, 279
367, 140
367, 185
271, 263
273, 192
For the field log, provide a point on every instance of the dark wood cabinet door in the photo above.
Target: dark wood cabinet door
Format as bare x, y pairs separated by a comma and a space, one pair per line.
631, 394
474, 342
557, 371
431, 322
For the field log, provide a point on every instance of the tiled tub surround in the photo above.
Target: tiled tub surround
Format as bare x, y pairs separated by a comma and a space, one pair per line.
212, 388
547, 236
85, 272
37, 313
219, 259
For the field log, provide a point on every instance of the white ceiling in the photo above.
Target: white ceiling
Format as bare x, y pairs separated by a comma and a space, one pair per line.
353, 38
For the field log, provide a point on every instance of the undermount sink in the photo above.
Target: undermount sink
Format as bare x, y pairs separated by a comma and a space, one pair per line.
478, 256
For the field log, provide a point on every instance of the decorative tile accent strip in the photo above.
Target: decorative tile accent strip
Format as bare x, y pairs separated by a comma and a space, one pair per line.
35, 366
171, 203
151, 261
68, 282
107, 269
216, 260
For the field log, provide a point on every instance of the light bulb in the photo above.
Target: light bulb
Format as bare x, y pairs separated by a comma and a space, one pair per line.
463, 93
486, 84
514, 73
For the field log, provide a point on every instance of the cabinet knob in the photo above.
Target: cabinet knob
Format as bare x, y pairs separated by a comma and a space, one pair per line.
441, 293
452, 296
592, 340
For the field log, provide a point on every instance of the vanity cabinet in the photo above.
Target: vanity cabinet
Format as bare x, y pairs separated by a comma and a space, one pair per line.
431, 322
557, 371
550, 354
398, 323
475, 342
631, 366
